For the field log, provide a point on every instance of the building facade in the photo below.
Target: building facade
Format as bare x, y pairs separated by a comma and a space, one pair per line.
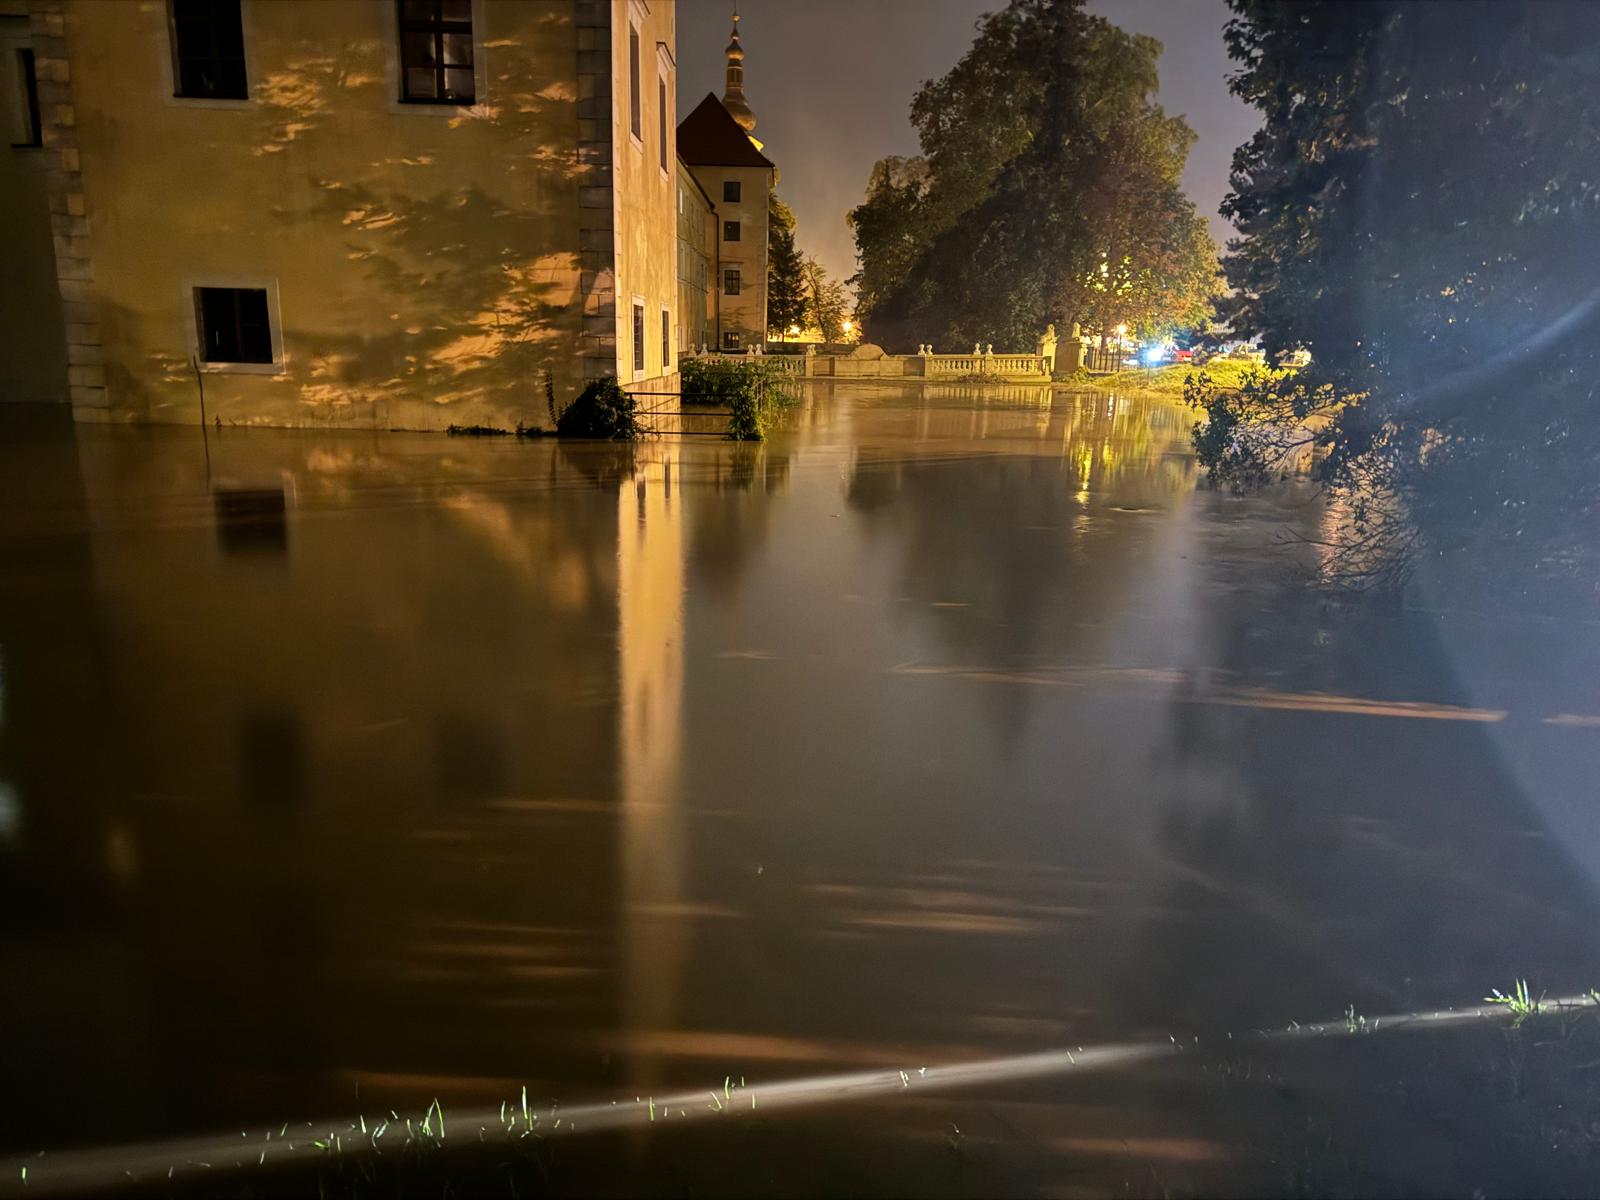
33, 349
362, 213
717, 143
697, 264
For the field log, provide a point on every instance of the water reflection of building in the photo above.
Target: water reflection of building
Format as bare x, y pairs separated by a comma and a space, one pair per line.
345, 784
352, 213
654, 935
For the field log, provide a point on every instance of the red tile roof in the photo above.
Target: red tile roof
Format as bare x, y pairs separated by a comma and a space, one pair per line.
710, 137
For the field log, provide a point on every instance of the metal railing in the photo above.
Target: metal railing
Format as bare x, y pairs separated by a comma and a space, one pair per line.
1103, 360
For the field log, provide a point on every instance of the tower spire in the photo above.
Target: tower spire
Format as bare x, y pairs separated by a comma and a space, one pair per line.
733, 97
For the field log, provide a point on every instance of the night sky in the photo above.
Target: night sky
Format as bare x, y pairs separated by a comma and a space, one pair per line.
831, 83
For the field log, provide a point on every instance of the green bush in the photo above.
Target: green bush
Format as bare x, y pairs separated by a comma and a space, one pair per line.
751, 387
745, 417
602, 411
712, 380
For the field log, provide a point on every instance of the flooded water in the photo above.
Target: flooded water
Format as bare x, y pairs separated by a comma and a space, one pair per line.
345, 770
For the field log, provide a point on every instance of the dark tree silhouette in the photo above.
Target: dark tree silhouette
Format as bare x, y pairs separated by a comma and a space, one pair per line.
1421, 211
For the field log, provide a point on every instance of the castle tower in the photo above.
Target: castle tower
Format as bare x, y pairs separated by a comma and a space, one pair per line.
733, 97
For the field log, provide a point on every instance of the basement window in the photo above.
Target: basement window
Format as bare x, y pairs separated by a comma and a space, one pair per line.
208, 50
234, 325
436, 52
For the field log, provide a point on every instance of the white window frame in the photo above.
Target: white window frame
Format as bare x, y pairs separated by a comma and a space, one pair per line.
639, 339
169, 68
391, 69
268, 283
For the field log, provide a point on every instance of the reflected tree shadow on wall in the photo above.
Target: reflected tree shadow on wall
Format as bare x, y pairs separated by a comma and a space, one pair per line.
448, 258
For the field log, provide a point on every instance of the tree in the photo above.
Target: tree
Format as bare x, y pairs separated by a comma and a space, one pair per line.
1047, 192
786, 282
1421, 211
889, 229
827, 305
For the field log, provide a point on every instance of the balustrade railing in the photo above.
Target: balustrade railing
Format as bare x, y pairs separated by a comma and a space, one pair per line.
793, 364
987, 364
922, 364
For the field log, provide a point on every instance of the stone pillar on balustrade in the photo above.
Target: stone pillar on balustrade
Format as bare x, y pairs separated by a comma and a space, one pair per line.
1047, 349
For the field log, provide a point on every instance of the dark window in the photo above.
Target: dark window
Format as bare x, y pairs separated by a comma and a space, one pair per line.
661, 96
436, 52
666, 340
638, 337
634, 98
28, 81
208, 49
730, 231
730, 281
730, 339
234, 327
730, 191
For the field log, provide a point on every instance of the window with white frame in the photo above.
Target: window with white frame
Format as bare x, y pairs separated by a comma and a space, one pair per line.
436, 56
233, 324
638, 337
207, 50
635, 85
661, 97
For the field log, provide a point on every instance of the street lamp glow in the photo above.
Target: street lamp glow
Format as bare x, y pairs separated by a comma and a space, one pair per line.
849, 325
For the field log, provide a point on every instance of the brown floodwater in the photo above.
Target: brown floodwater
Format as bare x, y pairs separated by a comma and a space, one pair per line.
349, 771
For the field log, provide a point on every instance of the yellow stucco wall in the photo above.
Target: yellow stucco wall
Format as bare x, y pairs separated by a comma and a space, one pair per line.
33, 353
746, 313
645, 189
697, 264
423, 261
